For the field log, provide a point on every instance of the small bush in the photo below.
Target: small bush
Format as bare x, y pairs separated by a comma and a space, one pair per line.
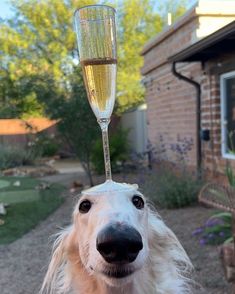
230, 175
45, 146
170, 190
119, 151
16, 156
217, 230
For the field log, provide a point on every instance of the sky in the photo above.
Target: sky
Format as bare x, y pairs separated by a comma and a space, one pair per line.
5, 10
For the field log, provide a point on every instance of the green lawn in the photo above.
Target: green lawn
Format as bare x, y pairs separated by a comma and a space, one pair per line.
27, 205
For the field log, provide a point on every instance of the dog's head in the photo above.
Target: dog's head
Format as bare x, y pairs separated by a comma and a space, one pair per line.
114, 236
111, 221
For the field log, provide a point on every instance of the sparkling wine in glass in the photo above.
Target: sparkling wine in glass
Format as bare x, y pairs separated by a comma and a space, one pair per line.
96, 37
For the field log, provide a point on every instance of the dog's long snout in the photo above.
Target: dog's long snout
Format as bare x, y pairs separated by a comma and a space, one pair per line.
119, 244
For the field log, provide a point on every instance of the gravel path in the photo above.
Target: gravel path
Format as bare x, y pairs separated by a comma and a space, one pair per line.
23, 263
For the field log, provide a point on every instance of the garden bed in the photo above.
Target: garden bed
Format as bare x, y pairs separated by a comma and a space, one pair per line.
205, 258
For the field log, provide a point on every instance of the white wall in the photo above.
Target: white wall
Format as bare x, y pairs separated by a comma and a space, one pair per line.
136, 122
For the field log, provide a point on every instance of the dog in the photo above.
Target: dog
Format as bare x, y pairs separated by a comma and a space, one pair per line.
117, 244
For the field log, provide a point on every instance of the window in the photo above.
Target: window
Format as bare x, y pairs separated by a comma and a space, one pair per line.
227, 83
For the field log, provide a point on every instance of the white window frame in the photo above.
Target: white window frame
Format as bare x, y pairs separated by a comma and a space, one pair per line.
223, 107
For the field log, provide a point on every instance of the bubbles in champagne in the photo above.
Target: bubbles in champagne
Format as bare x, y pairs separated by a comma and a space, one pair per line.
100, 80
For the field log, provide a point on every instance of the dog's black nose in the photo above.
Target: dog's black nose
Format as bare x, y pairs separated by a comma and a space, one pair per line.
119, 244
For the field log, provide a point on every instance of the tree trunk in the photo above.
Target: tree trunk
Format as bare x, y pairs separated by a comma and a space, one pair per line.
87, 169
90, 176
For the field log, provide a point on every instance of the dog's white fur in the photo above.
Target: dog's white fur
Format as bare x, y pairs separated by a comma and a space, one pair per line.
161, 267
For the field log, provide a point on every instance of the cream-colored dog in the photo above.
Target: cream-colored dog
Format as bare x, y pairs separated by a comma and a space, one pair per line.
117, 245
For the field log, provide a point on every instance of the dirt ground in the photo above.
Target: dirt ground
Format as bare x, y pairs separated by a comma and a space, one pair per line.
207, 265
23, 263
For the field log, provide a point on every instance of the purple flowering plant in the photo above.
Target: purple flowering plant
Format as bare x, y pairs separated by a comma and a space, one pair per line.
182, 147
216, 230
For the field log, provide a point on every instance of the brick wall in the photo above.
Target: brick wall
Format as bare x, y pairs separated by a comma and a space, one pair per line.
211, 114
171, 112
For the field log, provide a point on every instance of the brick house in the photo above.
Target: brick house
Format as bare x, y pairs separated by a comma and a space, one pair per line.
189, 76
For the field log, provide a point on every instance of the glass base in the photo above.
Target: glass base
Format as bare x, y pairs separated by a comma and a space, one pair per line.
110, 186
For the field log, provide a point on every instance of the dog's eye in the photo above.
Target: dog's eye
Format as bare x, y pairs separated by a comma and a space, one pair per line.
138, 202
84, 206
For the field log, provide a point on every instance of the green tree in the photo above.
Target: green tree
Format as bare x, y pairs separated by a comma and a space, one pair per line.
76, 122
37, 71
137, 23
40, 38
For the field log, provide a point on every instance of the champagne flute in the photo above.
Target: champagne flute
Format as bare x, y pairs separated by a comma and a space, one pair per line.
96, 37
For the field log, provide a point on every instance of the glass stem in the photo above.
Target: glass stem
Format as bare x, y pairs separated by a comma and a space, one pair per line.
105, 137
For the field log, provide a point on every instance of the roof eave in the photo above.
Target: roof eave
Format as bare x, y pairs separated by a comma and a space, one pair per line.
192, 53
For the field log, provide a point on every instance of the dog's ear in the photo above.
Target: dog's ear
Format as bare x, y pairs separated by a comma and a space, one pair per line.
55, 280
166, 250
135, 186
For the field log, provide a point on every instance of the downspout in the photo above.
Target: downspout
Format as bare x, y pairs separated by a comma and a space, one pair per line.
198, 116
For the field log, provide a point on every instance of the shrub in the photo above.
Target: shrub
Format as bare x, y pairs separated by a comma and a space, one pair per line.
170, 190
16, 156
230, 175
29, 156
50, 148
45, 146
217, 230
119, 151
